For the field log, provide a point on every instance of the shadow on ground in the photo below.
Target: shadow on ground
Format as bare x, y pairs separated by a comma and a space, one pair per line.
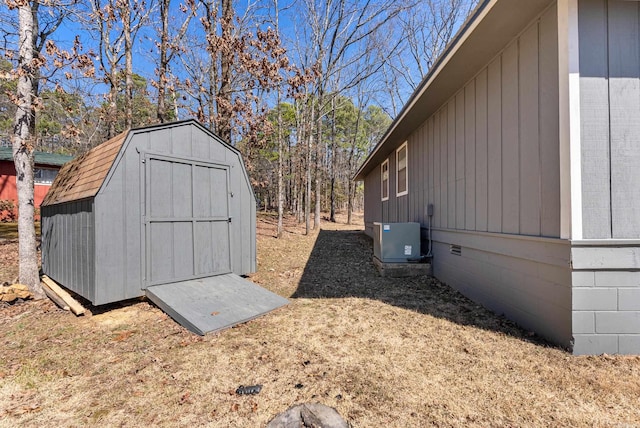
340, 266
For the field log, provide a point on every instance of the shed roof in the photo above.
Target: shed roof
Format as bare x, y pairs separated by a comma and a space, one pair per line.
82, 177
489, 28
41, 158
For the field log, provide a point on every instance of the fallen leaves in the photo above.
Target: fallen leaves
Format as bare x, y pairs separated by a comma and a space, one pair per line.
21, 403
123, 335
387, 352
185, 398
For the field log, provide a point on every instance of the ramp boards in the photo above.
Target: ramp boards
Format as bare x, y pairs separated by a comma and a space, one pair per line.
214, 303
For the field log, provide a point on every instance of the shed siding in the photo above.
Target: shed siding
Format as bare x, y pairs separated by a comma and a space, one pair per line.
610, 115
118, 263
70, 227
488, 158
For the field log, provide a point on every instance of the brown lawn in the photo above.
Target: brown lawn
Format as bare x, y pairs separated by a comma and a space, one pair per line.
383, 352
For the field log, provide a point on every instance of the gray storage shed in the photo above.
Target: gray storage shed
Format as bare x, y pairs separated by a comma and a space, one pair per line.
167, 211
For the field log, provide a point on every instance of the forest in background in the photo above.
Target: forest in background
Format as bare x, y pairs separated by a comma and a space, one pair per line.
303, 88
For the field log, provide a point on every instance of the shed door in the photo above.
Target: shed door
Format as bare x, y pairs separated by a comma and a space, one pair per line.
186, 219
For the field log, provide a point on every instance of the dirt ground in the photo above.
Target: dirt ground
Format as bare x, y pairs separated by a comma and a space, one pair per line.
384, 352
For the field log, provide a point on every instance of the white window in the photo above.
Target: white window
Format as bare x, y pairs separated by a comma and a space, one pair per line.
44, 175
402, 173
384, 180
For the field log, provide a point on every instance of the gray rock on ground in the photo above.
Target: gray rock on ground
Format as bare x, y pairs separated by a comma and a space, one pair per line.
309, 415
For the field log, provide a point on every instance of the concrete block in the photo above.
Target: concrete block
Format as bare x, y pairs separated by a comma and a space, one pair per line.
605, 258
595, 299
584, 322
402, 270
629, 344
618, 322
595, 344
629, 299
583, 278
617, 279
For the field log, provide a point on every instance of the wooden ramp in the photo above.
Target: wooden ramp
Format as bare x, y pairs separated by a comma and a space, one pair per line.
214, 303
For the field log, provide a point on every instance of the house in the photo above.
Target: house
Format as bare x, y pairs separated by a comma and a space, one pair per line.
525, 139
165, 211
46, 168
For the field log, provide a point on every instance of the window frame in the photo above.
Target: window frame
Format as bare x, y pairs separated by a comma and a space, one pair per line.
42, 181
382, 183
404, 147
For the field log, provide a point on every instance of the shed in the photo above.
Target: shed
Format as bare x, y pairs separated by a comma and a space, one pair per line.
525, 140
165, 211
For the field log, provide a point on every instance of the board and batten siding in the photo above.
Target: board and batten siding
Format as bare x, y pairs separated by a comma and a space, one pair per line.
70, 227
488, 159
394, 209
610, 115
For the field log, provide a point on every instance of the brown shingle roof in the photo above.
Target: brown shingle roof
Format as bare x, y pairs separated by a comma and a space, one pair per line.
82, 177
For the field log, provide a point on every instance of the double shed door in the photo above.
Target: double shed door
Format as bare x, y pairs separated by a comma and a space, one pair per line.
186, 219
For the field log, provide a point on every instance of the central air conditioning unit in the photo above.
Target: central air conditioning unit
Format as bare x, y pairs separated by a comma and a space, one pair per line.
396, 242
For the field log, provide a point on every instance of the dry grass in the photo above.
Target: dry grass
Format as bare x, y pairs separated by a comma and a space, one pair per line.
384, 352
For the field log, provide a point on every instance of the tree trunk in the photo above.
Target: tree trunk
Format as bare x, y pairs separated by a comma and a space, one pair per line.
23, 154
113, 106
226, 61
307, 196
164, 62
280, 146
128, 67
334, 158
316, 217
349, 200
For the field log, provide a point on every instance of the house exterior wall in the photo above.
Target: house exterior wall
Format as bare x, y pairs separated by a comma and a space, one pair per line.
606, 297
372, 200
488, 160
606, 281
119, 208
70, 228
394, 209
8, 190
527, 279
610, 83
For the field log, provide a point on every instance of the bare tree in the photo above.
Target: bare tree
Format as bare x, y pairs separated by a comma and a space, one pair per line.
32, 39
168, 47
425, 28
117, 23
341, 35
23, 146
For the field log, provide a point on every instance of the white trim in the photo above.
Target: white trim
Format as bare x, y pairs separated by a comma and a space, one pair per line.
569, 126
382, 197
406, 169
